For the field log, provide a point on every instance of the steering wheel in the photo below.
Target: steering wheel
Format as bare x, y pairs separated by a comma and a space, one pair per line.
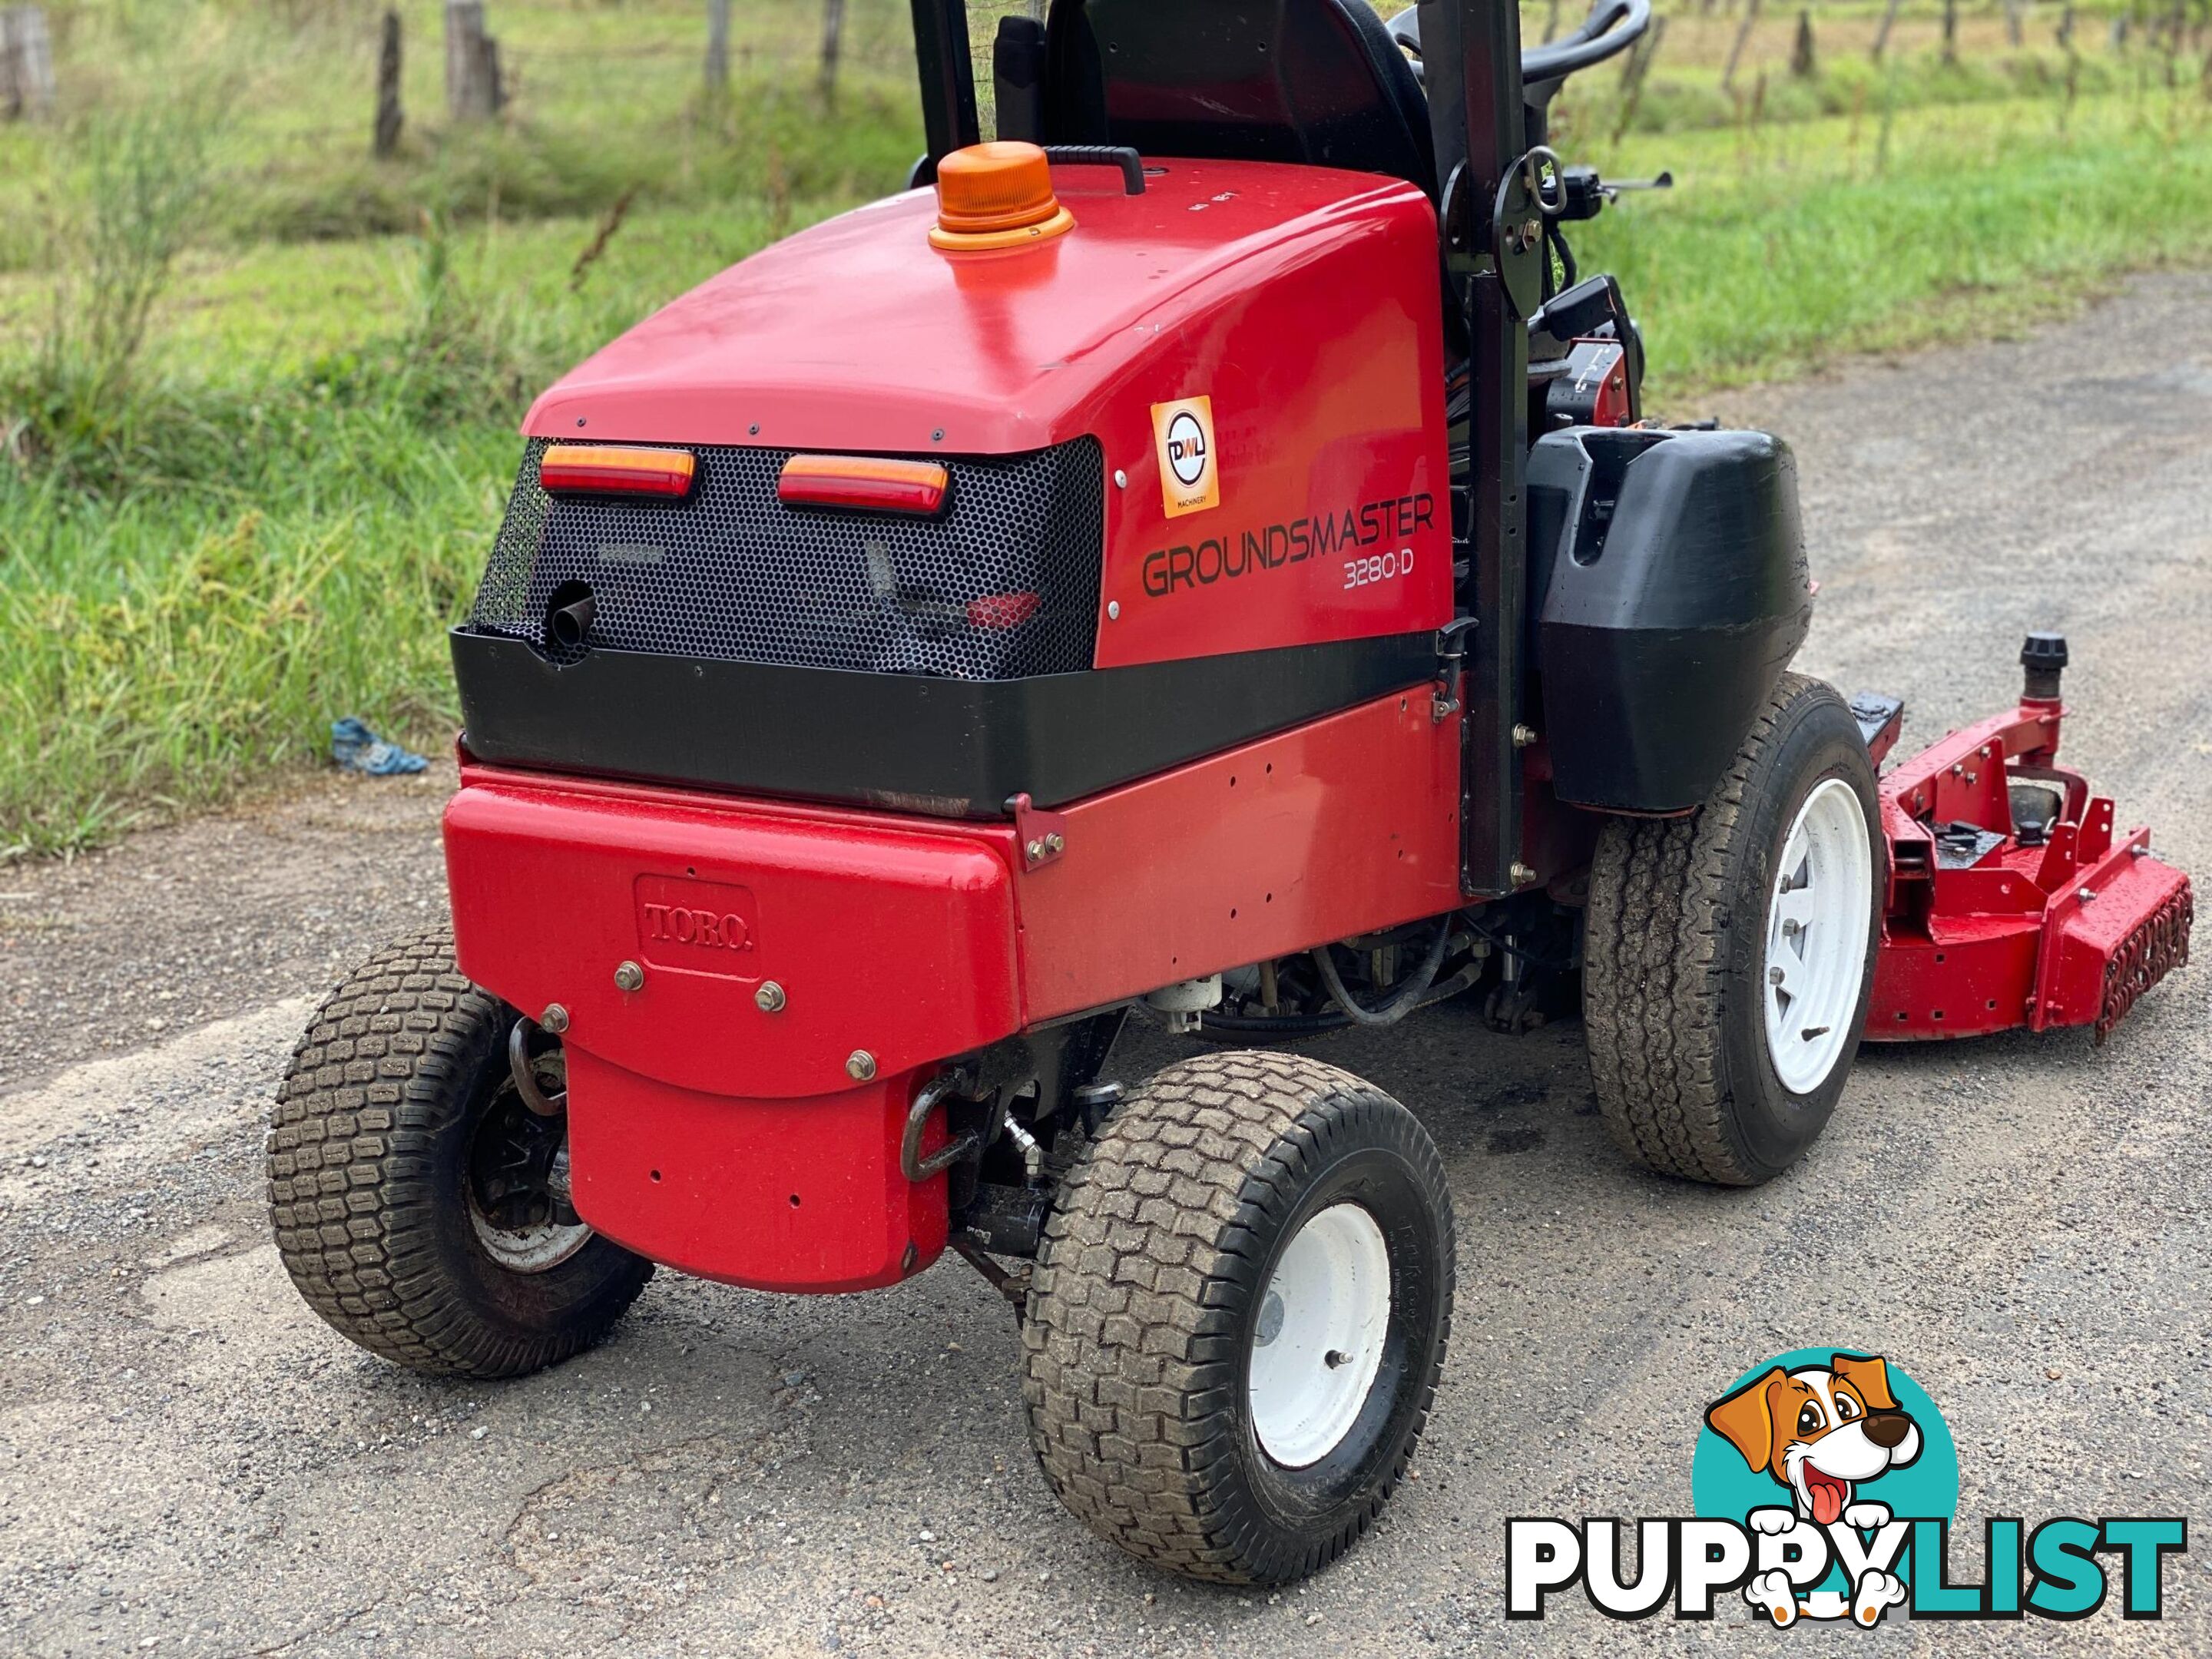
1610, 29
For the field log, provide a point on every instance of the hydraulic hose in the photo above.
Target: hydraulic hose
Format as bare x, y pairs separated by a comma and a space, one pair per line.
1403, 1001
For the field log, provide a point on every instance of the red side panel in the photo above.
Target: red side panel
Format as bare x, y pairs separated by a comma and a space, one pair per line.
1331, 516
1347, 824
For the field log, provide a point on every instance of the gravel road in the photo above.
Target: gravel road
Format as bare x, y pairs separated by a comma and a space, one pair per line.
190, 1463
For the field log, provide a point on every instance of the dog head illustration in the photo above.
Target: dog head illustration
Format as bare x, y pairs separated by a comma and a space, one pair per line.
1821, 1431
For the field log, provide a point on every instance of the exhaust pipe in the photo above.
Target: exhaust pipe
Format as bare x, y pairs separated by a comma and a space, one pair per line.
567, 625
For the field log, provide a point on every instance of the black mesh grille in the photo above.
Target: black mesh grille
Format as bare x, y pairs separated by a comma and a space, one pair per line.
732, 573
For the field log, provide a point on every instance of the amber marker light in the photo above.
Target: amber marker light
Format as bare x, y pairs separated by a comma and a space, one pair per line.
619, 468
861, 482
996, 195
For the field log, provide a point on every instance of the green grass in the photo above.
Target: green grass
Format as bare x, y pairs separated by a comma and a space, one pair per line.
1783, 249
269, 516
295, 501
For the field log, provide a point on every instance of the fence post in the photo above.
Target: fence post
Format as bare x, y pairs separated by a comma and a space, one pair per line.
389, 116
1801, 61
1950, 30
26, 63
833, 44
472, 84
1736, 49
2014, 14
1881, 33
718, 47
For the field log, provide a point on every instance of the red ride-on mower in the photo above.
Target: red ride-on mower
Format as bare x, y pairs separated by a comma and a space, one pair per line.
1207, 554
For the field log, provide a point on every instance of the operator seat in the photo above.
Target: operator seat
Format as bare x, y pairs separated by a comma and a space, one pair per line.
1319, 81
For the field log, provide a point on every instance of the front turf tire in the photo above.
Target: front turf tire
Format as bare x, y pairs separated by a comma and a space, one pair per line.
1161, 1253
1678, 942
369, 1170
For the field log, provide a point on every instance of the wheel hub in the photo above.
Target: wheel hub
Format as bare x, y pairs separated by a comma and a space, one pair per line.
1817, 936
517, 1182
1317, 1343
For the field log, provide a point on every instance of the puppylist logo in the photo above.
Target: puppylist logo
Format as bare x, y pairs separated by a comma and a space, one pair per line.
1824, 1485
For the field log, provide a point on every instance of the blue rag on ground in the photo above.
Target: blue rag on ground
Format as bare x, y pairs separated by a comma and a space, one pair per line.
357, 749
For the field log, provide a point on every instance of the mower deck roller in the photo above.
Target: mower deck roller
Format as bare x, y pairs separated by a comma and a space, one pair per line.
1205, 561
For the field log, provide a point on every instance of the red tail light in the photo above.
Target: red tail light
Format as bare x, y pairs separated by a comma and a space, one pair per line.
619, 467
1001, 610
864, 482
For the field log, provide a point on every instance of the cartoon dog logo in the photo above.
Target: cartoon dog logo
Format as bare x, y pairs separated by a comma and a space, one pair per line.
1821, 1432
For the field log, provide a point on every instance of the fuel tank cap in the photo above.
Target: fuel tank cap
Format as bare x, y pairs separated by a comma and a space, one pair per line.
996, 195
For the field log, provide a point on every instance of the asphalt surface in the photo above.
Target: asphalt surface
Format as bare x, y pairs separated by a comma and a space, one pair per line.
190, 1463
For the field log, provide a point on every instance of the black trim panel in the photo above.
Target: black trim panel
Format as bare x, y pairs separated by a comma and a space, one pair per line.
955, 748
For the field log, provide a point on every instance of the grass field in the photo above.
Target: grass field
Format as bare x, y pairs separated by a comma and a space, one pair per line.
257, 390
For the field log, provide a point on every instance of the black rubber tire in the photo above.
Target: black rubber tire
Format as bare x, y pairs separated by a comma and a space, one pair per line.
367, 1196
1674, 947
1148, 1291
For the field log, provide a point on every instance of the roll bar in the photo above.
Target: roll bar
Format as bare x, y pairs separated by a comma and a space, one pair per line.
1612, 27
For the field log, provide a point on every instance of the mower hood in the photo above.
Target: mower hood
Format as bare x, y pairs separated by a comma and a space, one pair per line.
858, 335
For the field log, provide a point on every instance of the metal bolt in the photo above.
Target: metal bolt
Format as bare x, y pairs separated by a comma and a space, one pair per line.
2086, 894
1121, 479
1521, 874
1523, 735
1035, 850
554, 1019
861, 1066
629, 977
1113, 610
769, 998
1774, 976
1791, 927
1055, 843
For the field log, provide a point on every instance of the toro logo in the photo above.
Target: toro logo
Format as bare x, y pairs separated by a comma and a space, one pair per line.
1190, 482
705, 927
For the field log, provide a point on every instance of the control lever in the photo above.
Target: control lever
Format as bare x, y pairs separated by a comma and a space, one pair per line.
1585, 194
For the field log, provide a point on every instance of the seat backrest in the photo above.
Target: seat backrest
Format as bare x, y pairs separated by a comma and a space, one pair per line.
1319, 81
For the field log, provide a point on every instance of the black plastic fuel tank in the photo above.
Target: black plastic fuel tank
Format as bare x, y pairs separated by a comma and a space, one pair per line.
1668, 592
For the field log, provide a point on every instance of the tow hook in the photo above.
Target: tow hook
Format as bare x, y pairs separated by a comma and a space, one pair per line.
525, 1075
912, 1163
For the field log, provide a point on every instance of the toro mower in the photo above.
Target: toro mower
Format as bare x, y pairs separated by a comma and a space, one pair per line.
1202, 552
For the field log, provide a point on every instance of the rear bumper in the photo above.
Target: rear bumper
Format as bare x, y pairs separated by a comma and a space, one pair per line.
736, 1135
708, 1131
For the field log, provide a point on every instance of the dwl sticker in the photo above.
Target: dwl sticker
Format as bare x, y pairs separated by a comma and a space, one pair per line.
1190, 481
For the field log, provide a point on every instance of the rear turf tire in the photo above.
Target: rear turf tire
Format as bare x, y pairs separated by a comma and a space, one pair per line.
369, 1182
1678, 945
1144, 1326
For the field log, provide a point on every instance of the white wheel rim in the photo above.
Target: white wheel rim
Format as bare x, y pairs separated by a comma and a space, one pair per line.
1319, 1340
1817, 920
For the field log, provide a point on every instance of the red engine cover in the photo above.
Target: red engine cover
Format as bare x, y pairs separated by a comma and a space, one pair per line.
1273, 330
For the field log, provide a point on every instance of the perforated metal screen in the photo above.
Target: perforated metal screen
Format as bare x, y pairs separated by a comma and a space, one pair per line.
1003, 584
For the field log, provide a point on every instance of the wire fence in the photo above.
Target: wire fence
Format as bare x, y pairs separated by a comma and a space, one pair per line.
586, 64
